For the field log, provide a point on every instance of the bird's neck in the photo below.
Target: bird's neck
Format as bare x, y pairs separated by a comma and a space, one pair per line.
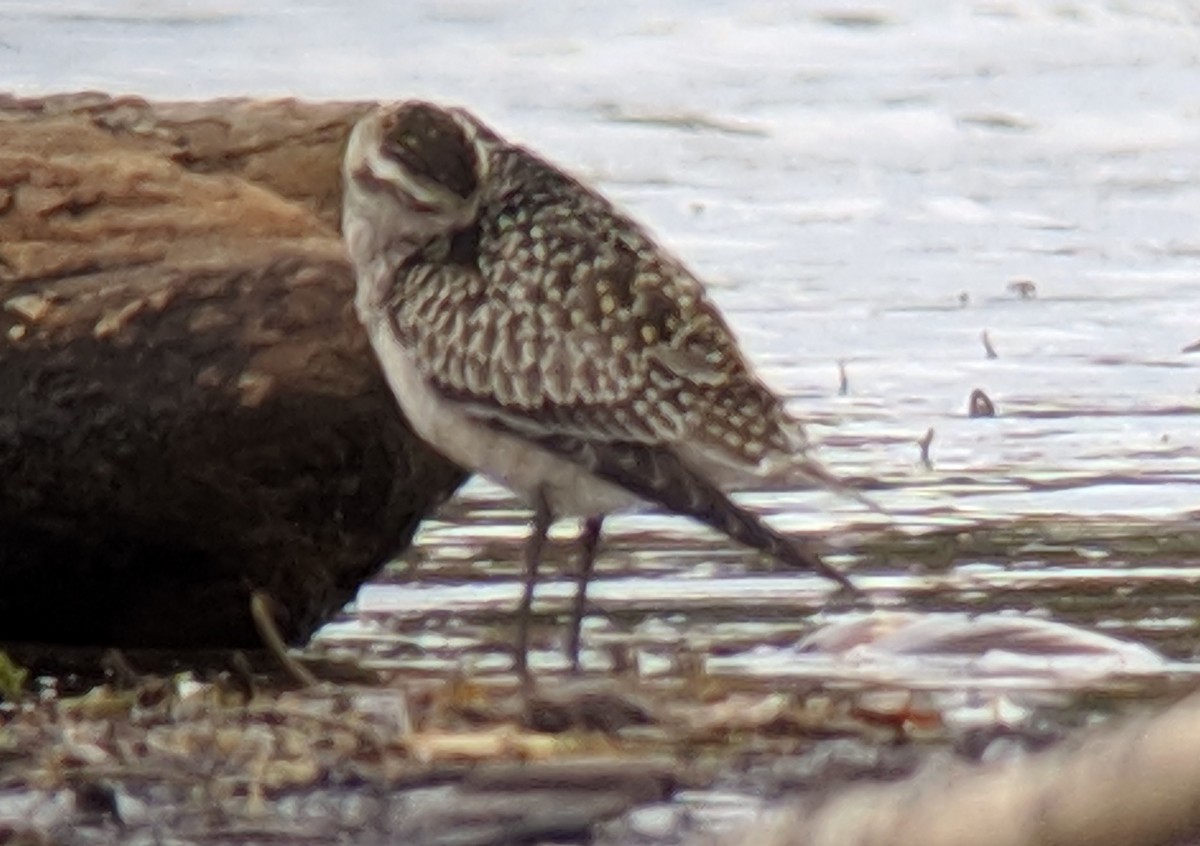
377, 245
382, 235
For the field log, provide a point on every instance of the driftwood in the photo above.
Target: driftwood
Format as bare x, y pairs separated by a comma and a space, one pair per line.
189, 411
1136, 783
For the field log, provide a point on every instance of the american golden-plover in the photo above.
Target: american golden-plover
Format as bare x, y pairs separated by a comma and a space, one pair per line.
534, 333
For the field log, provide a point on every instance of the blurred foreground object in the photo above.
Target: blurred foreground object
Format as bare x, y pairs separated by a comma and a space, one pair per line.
191, 411
1135, 783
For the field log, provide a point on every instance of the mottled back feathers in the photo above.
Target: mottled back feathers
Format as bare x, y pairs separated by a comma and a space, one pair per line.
555, 315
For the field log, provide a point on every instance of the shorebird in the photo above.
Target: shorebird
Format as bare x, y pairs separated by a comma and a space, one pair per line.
534, 333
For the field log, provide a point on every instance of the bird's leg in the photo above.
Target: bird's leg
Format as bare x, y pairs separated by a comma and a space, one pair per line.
589, 541
533, 560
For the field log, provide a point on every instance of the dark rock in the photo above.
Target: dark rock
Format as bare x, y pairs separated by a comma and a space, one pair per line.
189, 410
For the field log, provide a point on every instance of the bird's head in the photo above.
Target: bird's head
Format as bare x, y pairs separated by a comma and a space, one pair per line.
412, 171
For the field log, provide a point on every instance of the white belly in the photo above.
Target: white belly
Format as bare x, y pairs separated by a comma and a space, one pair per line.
525, 469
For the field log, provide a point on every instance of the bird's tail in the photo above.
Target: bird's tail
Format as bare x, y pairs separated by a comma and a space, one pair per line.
657, 474
780, 471
809, 473
723, 514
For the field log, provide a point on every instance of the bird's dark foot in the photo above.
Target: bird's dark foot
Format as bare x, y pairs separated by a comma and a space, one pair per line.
589, 541
533, 559
521, 664
848, 597
845, 585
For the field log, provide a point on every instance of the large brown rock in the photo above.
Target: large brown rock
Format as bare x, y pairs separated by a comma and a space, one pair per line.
189, 410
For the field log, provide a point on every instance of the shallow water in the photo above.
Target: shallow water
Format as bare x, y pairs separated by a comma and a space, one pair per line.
859, 184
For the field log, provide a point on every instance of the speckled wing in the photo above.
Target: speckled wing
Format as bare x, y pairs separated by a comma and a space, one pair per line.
559, 319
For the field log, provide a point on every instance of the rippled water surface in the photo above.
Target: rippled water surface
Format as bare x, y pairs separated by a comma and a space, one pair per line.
871, 184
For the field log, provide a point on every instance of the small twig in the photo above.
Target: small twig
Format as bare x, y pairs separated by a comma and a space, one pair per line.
987, 345
268, 630
924, 444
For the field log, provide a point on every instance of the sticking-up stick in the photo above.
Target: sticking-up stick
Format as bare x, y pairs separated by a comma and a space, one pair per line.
268, 630
924, 443
987, 345
980, 405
